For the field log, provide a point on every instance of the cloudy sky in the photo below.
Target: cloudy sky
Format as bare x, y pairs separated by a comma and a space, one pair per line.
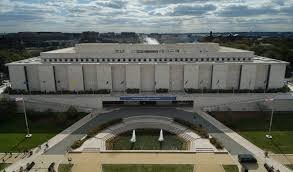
146, 15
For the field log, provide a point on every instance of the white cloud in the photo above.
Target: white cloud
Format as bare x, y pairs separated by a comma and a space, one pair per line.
146, 15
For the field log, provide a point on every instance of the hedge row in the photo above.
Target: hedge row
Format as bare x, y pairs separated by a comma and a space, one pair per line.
132, 90
94, 131
216, 143
200, 131
162, 90
101, 91
284, 89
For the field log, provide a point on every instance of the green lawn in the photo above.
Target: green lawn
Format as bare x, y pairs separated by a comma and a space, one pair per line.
254, 126
3, 165
147, 168
290, 166
147, 139
230, 168
43, 127
65, 167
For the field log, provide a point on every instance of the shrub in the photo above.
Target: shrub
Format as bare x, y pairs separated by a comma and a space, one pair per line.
77, 144
199, 130
103, 91
7, 109
97, 129
72, 113
61, 118
216, 143
192, 90
162, 90
132, 90
92, 132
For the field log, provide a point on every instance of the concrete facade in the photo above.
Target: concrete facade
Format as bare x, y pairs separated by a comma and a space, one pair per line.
133, 76
191, 76
116, 67
75, 77
46, 75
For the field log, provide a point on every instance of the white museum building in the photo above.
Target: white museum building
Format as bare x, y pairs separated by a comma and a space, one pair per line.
173, 67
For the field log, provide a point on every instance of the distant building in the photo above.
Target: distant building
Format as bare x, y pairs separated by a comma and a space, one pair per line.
89, 37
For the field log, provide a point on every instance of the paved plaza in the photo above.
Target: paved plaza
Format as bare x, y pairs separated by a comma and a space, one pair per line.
93, 161
232, 146
60, 144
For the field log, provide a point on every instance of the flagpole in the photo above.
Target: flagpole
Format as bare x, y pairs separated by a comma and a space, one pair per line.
28, 135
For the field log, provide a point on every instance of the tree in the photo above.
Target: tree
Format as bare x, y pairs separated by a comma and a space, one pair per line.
7, 109
72, 113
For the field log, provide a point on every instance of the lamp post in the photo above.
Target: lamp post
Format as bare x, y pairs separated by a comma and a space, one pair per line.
28, 135
265, 86
218, 83
249, 85
271, 119
155, 87
200, 83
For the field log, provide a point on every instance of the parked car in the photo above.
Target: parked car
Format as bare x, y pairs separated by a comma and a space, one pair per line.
29, 166
246, 158
51, 167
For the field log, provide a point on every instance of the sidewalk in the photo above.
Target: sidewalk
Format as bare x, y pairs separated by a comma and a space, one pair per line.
259, 153
37, 152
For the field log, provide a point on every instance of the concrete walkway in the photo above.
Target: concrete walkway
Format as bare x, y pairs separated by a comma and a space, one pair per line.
259, 153
93, 161
37, 152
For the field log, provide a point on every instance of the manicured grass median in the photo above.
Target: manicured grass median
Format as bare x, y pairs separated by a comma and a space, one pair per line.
43, 126
290, 166
65, 167
254, 126
147, 168
147, 139
230, 168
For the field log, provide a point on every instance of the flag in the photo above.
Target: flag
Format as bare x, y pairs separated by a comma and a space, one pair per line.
17, 99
